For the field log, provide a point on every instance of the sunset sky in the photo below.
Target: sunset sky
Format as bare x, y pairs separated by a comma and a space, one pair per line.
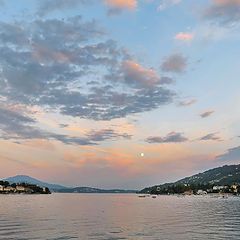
118, 93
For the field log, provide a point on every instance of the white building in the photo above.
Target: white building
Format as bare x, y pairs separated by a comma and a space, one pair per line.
216, 188
201, 192
20, 188
9, 189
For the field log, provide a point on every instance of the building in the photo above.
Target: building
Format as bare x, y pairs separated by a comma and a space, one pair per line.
218, 188
1, 188
20, 188
234, 188
9, 189
201, 192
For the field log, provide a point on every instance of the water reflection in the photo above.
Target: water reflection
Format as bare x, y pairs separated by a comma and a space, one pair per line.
103, 216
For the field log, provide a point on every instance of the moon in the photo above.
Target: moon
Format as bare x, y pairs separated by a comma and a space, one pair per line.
142, 154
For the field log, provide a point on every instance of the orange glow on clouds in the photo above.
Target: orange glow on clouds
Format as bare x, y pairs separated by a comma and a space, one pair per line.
122, 4
137, 72
40, 143
184, 36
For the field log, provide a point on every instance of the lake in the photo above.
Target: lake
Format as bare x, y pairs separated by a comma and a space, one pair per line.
118, 216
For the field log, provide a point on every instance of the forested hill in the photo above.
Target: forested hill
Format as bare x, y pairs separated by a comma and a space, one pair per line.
226, 175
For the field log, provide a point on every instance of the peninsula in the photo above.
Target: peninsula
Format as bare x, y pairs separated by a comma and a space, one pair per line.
22, 188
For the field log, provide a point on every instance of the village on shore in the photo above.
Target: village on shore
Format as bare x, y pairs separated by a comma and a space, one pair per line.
233, 189
22, 188
191, 189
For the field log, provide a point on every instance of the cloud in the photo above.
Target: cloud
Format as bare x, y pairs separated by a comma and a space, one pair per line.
71, 67
164, 4
210, 136
106, 134
11, 121
184, 36
115, 6
18, 126
62, 125
40, 144
187, 103
175, 63
212, 32
122, 4
104, 104
136, 75
226, 12
48, 6
172, 137
232, 154
206, 114
166, 80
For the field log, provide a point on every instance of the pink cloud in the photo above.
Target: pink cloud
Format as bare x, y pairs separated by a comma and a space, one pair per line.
136, 74
122, 4
184, 36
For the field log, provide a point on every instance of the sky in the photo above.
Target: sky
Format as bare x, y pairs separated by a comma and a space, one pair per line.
118, 93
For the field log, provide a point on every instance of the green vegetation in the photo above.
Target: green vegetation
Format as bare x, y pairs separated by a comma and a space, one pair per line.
224, 179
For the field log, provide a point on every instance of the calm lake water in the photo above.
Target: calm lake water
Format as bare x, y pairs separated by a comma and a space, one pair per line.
107, 216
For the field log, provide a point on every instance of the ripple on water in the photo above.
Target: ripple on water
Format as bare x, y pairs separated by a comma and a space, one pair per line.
112, 217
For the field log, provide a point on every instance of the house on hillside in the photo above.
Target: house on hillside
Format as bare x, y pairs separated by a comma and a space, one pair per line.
219, 188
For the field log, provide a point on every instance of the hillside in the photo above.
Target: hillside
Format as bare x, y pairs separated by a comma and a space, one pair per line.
30, 180
226, 175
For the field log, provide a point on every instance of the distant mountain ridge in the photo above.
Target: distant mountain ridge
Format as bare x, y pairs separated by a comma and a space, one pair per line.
226, 175
94, 190
63, 189
30, 180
